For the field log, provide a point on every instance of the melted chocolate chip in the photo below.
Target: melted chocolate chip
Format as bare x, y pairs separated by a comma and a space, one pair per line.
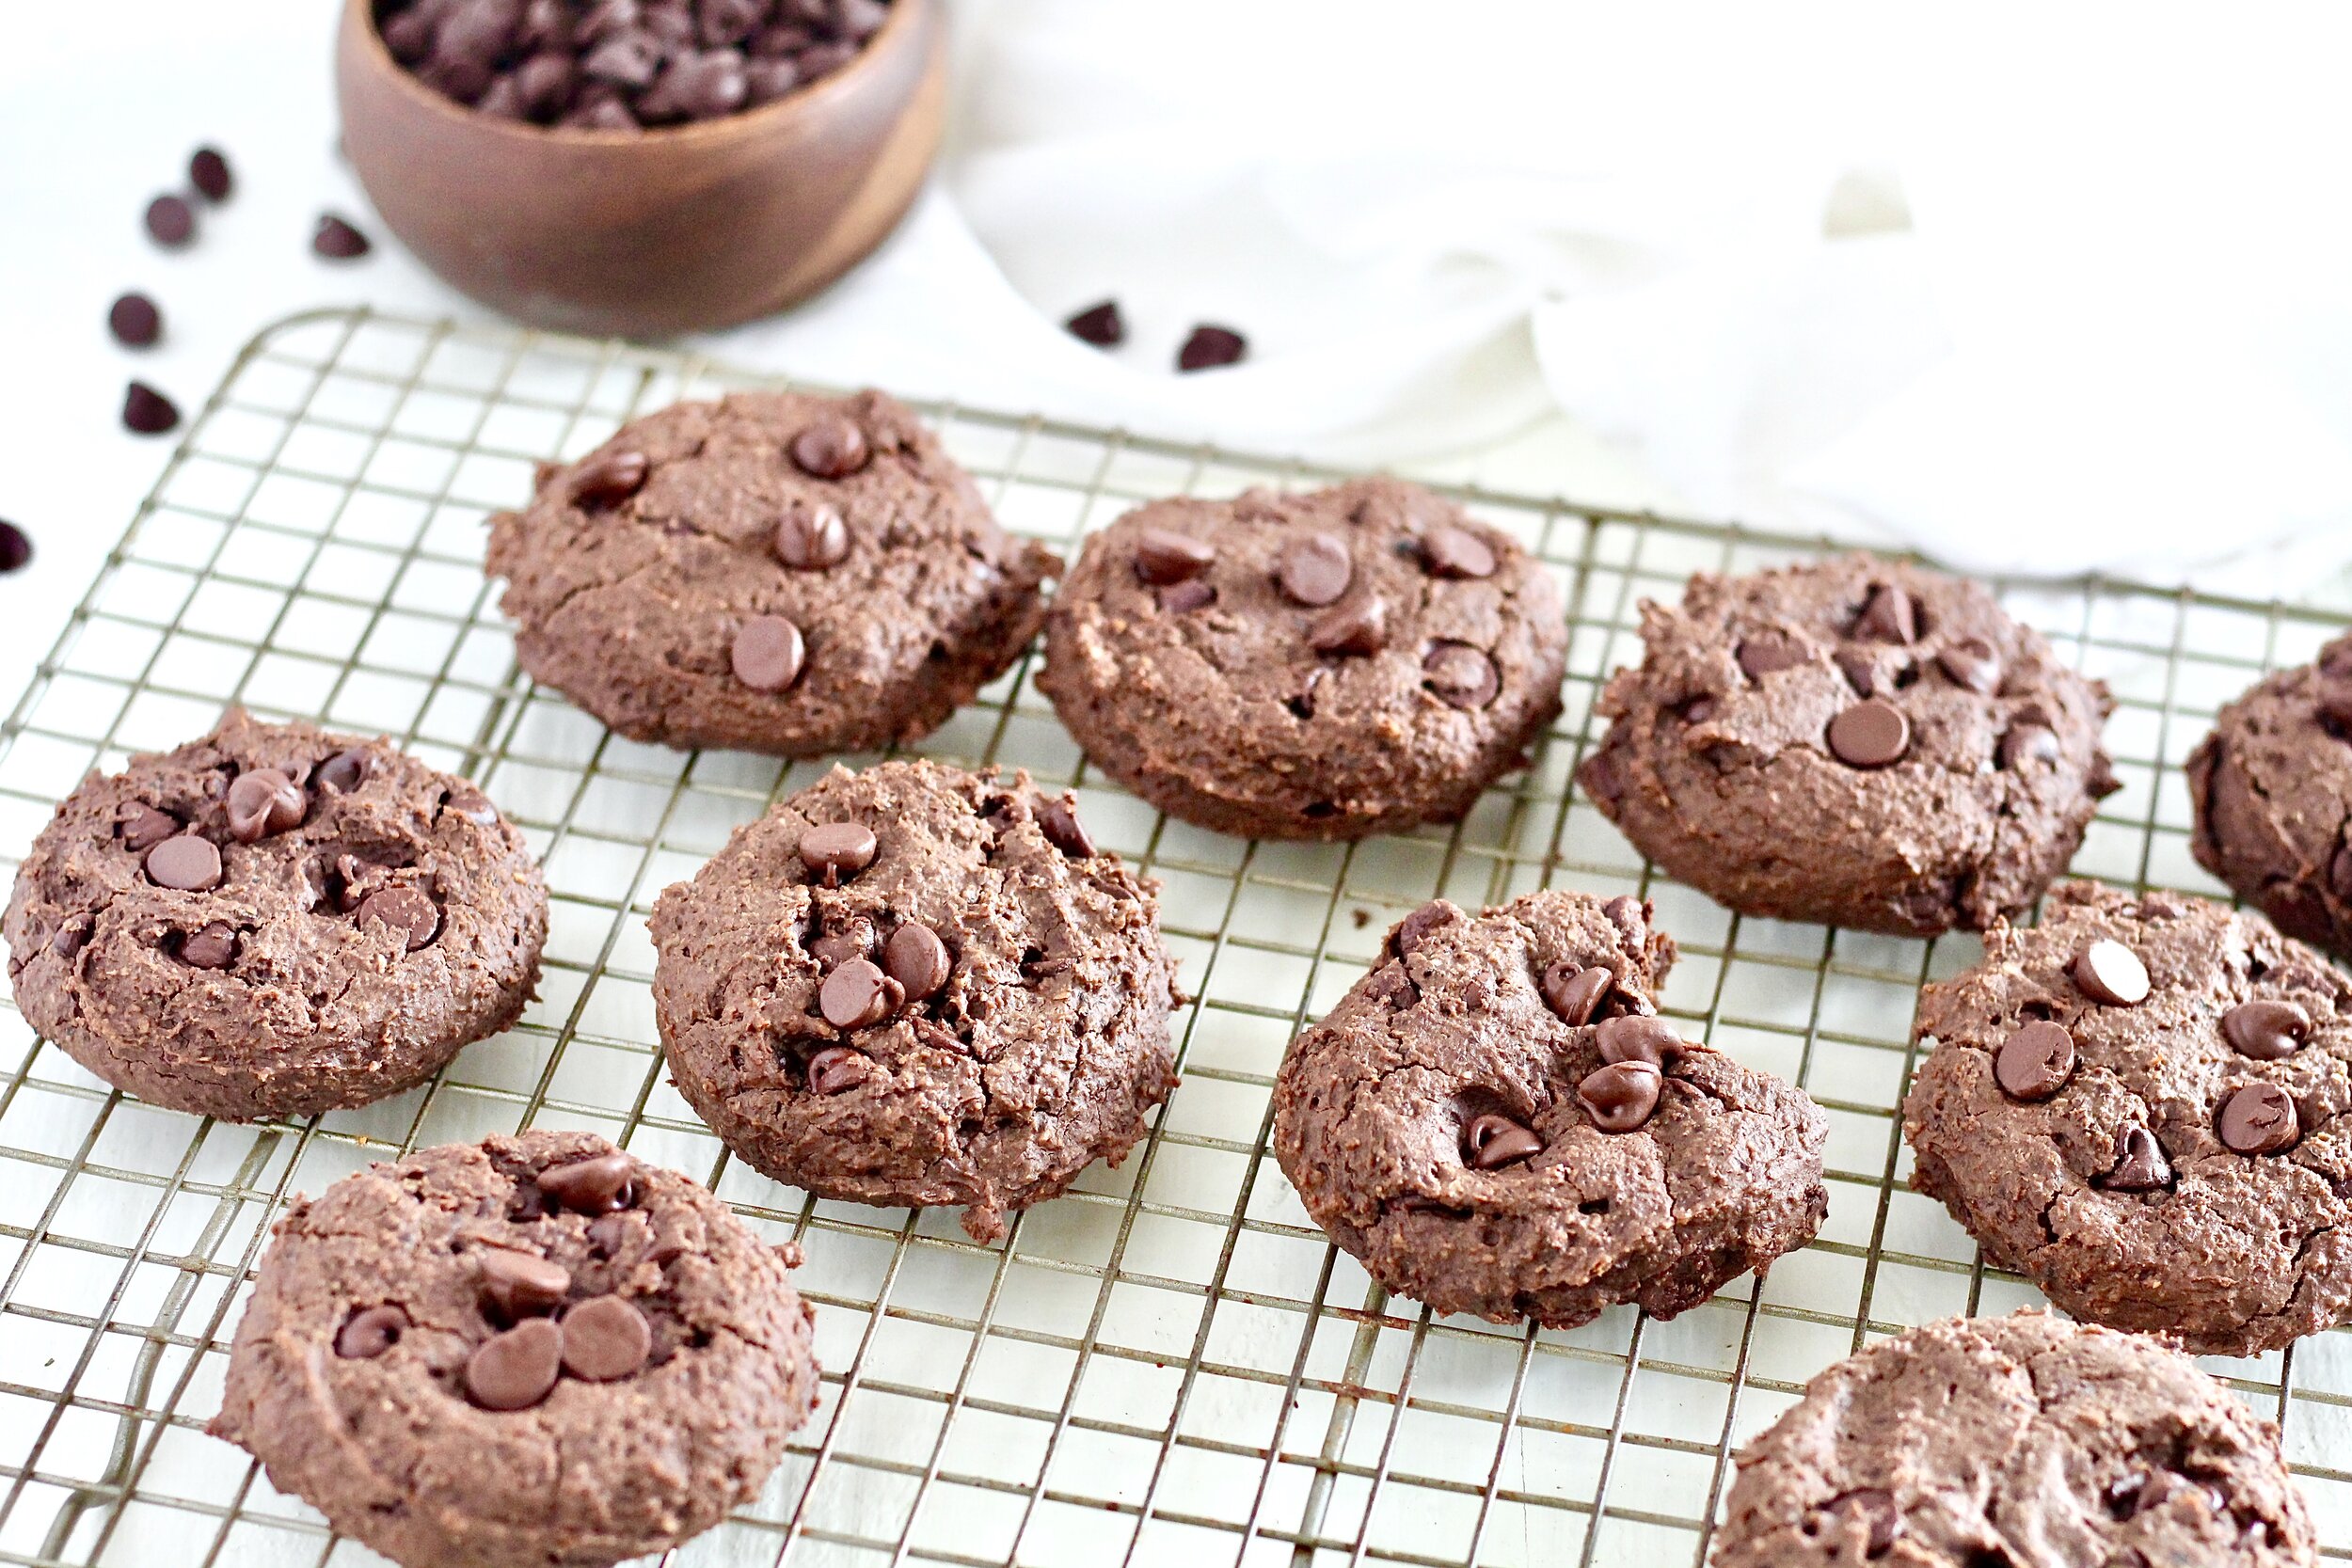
142, 826
1315, 569
1634, 1037
610, 478
409, 912
1490, 1142
830, 448
605, 1338
344, 773
262, 802
186, 862
1460, 675
214, 947
370, 1331
1972, 663
2258, 1118
596, 1185
837, 1067
516, 1370
1871, 733
1620, 1097
1414, 926
1768, 652
2266, 1030
835, 851
1356, 627
1456, 552
1576, 994
811, 538
2035, 1062
2111, 974
1058, 819
2028, 743
1164, 556
1182, 598
2139, 1163
1889, 615
917, 959
1860, 668
858, 995
767, 652
519, 1285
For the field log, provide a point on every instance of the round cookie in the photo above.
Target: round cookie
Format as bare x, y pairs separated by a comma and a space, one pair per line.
2272, 785
2139, 1105
916, 985
774, 572
273, 921
1858, 742
1331, 665
1484, 1121
533, 1349
1993, 1442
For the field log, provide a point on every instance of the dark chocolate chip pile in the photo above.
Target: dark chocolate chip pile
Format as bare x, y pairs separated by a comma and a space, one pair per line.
622, 65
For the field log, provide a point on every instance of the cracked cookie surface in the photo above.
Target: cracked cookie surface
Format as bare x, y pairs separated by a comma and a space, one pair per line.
775, 572
2139, 1105
1324, 666
1494, 1120
917, 985
1859, 742
535, 1349
273, 921
2002, 1442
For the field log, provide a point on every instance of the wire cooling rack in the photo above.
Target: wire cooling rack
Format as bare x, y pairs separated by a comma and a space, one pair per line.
1170, 1366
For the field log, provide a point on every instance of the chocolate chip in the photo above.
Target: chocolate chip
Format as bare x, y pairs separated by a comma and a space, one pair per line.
608, 478
2111, 972
407, 911
1627, 914
1182, 598
767, 652
146, 411
544, 85
1099, 324
858, 995
1492, 1142
1164, 556
1873, 1509
1860, 668
263, 801
516, 1370
344, 773
605, 1339
2266, 1030
1211, 346
765, 80
208, 172
2339, 869
471, 805
1575, 993
2035, 1062
171, 221
143, 827
1460, 675
135, 320
1058, 819
337, 239
71, 937
1635, 1038
830, 448
1356, 627
837, 1067
187, 863
1871, 733
518, 1285
825, 59
811, 538
1972, 663
1620, 1097
2028, 743
1414, 926
1768, 652
369, 1332
1455, 552
2139, 1163
838, 850
859, 19
1698, 710
2258, 1118
1315, 568
1889, 615
917, 959
692, 85
214, 947
597, 1185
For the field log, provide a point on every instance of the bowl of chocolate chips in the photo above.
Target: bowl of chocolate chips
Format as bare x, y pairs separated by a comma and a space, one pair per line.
640, 168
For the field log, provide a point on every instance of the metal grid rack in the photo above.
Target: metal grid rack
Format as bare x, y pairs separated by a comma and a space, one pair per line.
1167, 1366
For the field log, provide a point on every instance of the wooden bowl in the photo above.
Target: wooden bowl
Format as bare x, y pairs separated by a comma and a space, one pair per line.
667, 230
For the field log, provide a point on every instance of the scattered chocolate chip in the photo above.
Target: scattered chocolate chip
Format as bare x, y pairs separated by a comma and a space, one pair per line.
605, 1339
2258, 1118
1356, 627
858, 995
1164, 556
519, 1285
1315, 569
837, 1067
1211, 346
71, 939
2266, 1030
1889, 615
2036, 1061
146, 411
1058, 819
143, 827
344, 773
2028, 743
811, 538
597, 1185
1620, 1097
1492, 1142
1768, 652
263, 801
471, 805
186, 861
1182, 598
170, 221
836, 850
214, 947
1575, 993
767, 652
1972, 663
135, 321
407, 911
516, 1370
1871, 733
1636, 1038
337, 239
832, 448
1860, 668
608, 478
1627, 913
1455, 552
917, 959
208, 172
2139, 1163
2111, 974
1460, 675
369, 1332
1873, 1508
1099, 324
1414, 926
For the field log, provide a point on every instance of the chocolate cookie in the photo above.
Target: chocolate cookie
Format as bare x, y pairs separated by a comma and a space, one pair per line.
2003, 1442
1858, 742
2139, 1105
774, 572
1494, 1120
535, 1349
1330, 665
272, 921
916, 985
2273, 789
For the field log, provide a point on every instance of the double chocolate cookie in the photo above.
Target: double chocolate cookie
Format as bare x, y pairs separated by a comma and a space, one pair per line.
2140, 1105
535, 1348
273, 921
2272, 785
2003, 1442
916, 985
1494, 1120
1858, 742
1352, 661
775, 572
